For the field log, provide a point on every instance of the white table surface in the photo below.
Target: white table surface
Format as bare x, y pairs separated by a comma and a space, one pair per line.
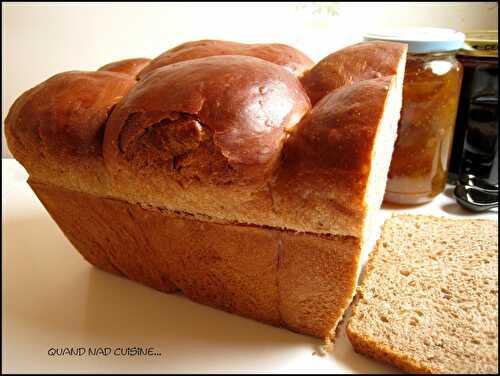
53, 299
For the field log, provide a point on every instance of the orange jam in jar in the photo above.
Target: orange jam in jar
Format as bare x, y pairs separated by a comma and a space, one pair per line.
431, 91
419, 166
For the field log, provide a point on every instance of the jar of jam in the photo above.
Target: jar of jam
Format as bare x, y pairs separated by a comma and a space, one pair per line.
475, 145
431, 90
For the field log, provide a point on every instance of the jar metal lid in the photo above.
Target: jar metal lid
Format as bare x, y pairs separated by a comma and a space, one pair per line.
421, 39
482, 43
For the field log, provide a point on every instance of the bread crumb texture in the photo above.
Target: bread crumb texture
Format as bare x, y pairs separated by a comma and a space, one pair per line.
428, 302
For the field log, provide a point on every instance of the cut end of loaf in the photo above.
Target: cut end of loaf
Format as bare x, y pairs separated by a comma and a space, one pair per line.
382, 153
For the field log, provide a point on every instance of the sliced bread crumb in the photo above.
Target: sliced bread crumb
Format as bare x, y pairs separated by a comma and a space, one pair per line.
428, 302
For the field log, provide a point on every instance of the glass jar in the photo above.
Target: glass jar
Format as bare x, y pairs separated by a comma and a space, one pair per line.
431, 89
421, 155
475, 145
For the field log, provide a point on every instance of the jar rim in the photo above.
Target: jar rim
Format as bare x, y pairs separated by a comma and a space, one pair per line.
421, 39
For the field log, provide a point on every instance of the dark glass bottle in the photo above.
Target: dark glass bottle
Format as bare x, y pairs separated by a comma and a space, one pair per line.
475, 144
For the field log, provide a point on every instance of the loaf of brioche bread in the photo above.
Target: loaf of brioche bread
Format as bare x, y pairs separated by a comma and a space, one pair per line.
244, 176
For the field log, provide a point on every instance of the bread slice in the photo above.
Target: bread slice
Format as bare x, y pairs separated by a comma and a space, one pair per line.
429, 298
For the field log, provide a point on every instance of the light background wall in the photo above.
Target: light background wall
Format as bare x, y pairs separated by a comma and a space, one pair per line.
41, 39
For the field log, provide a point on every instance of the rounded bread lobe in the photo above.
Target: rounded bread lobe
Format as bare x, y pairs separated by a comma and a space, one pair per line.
330, 149
362, 61
65, 115
131, 67
288, 57
220, 112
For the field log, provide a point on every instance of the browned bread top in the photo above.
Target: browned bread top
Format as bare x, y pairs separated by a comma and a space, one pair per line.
237, 106
65, 115
230, 137
362, 61
128, 66
288, 57
332, 144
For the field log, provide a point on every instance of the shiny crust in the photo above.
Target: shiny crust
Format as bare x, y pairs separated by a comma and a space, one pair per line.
288, 57
333, 139
130, 67
362, 61
238, 107
222, 153
65, 115
328, 156
228, 137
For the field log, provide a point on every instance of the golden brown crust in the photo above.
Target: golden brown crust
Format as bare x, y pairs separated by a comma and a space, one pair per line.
329, 155
206, 136
220, 138
335, 138
239, 107
131, 67
362, 61
300, 281
65, 116
288, 57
